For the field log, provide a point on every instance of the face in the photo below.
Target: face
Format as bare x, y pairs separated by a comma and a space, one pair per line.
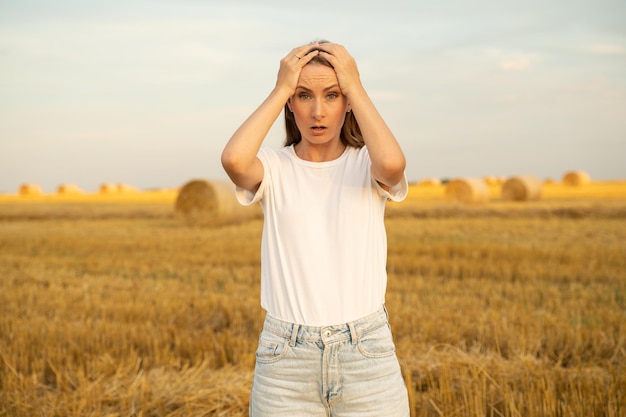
318, 106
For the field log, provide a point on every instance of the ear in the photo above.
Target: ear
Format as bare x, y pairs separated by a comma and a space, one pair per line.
289, 105
349, 108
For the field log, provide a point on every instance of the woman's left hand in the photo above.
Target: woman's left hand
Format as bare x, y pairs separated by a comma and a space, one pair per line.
344, 65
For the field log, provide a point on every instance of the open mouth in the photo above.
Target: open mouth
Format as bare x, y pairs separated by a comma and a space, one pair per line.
318, 129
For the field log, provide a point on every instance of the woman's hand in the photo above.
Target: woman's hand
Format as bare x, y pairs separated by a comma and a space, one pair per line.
344, 65
292, 64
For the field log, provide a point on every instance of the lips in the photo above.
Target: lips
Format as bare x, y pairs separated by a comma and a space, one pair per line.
318, 130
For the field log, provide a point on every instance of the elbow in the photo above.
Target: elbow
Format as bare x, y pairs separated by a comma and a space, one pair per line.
227, 161
391, 171
231, 163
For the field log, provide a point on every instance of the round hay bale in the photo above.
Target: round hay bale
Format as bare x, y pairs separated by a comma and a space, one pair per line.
521, 188
125, 188
30, 189
467, 190
108, 188
212, 203
429, 182
69, 189
576, 178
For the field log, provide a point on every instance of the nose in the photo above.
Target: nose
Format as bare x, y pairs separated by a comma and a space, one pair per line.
318, 109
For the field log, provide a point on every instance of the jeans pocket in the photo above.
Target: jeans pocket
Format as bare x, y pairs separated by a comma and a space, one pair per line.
377, 343
271, 347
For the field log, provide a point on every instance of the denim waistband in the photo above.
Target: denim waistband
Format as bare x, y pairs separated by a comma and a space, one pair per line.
351, 330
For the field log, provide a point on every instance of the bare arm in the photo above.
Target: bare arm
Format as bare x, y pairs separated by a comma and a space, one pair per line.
239, 157
388, 161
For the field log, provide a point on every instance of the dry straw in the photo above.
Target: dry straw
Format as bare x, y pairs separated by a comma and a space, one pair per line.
30, 189
69, 189
467, 190
212, 203
576, 178
522, 188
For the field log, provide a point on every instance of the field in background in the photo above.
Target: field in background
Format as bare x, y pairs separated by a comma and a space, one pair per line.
114, 307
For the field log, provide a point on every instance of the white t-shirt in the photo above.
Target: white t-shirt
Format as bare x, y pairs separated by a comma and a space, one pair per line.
324, 245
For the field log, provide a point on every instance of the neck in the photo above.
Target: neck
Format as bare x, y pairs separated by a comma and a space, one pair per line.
319, 153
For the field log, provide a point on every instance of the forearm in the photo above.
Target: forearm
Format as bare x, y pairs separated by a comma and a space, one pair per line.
388, 161
242, 148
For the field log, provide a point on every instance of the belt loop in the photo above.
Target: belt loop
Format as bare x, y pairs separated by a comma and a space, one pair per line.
294, 335
353, 334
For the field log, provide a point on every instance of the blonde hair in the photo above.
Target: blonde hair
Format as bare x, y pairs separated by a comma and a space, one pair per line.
350, 131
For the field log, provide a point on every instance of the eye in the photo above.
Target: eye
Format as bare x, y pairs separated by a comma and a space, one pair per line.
332, 95
303, 96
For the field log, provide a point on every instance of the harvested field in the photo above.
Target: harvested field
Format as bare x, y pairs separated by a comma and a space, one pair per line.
116, 307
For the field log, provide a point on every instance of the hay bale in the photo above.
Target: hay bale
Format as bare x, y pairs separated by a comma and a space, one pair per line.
125, 189
69, 189
108, 188
521, 188
30, 189
429, 182
467, 190
212, 203
115, 188
576, 178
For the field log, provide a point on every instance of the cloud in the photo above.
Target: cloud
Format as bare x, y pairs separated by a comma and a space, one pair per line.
157, 42
605, 49
515, 64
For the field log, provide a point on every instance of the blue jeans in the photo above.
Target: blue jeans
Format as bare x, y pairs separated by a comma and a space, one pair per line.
335, 371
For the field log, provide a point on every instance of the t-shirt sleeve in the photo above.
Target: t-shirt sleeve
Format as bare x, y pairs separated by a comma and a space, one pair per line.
247, 197
396, 193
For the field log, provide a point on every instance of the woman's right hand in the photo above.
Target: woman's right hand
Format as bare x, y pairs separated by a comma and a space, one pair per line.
292, 64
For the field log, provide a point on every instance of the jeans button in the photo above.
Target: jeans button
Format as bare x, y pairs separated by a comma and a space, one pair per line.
327, 333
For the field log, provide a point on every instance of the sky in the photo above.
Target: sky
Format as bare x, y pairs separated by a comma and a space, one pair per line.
148, 92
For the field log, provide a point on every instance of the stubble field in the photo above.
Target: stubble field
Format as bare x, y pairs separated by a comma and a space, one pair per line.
501, 309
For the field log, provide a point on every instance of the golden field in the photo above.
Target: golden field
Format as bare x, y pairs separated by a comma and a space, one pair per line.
113, 306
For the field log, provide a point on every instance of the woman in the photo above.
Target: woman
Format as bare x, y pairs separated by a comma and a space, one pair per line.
326, 347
